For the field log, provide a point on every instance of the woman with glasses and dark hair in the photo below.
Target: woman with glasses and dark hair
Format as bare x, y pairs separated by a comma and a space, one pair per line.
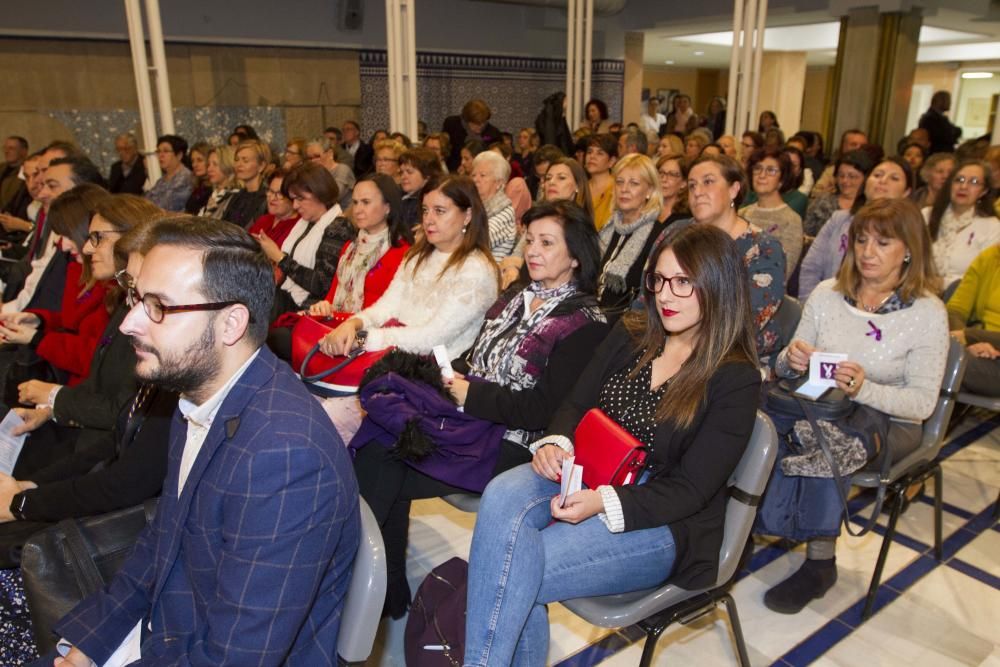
680, 376
850, 172
962, 223
65, 338
771, 175
522, 364
281, 217
95, 403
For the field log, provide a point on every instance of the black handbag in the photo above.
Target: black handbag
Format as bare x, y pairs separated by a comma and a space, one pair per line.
831, 406
67, 562
25, 366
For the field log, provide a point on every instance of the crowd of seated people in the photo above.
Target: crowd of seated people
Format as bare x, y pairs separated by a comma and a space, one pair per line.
636, 269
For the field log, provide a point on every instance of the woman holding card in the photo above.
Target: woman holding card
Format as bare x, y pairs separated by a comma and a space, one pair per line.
882, 312
681, 376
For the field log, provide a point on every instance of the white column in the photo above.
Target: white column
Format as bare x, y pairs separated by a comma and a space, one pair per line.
734, 67
758, 56
144, 93
588, 59
571, 73
743, 96
160, 67
410, 53
392, 61
402, 64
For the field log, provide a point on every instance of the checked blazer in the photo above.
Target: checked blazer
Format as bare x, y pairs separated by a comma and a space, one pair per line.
251, 564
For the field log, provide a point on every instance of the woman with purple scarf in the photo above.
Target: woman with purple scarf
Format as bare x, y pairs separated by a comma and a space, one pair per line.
523, 363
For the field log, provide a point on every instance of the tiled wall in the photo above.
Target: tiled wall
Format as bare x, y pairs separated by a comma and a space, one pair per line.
513, 87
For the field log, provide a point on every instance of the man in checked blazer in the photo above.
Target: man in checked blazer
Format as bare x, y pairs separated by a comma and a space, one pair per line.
249, 557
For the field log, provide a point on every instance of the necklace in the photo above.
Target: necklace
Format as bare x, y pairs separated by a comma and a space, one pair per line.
875, 308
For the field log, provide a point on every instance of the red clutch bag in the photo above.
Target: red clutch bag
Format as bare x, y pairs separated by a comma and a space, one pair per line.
325, 375
608, 453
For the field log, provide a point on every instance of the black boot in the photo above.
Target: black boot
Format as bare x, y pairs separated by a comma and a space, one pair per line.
810, 582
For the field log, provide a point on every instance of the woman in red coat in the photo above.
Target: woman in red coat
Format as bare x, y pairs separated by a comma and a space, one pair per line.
67, 338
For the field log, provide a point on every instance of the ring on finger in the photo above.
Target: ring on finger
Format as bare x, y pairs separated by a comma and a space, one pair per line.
852, 383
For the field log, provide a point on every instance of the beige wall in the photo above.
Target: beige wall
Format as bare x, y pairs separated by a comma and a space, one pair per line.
632, 106
702, 84
782, 85
316, 87
814, 98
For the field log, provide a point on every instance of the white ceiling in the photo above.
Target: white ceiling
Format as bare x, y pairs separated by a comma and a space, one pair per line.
946, 36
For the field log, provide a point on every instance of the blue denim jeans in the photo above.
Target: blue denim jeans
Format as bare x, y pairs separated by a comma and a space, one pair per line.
520, 561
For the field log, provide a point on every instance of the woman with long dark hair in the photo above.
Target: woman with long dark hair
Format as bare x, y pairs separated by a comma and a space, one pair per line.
681, 376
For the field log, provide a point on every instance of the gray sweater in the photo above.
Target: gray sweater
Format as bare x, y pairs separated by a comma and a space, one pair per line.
903, 370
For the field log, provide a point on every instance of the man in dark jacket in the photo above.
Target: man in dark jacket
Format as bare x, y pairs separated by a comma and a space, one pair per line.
129, 173
943, 133
473, 123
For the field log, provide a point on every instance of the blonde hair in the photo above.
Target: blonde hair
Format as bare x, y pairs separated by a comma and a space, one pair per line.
390, 144
647, 170
225, 156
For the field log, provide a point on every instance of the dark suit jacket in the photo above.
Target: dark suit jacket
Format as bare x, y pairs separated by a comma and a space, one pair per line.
457, 134
364, 159
690, 466
251, 563
132, 184
942, 132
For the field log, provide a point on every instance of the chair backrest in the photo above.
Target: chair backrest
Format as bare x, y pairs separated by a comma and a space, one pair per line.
747, 485
787, 318
936, 425
366, 594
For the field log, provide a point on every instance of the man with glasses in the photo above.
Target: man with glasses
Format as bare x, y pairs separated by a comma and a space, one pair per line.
249, 557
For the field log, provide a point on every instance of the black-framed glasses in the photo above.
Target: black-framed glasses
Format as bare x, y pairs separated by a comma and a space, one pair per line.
681, 286
95, 238
962, 180
156, 310
769, 170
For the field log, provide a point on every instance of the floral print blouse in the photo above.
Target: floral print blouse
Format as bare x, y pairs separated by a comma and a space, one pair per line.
765, 262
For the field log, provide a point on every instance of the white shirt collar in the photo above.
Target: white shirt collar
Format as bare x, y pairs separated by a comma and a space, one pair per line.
203, 415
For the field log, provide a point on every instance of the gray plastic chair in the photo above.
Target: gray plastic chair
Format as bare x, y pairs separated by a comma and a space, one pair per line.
656, 609
917, 467
989, 403
366, 594
467, 502
787, 318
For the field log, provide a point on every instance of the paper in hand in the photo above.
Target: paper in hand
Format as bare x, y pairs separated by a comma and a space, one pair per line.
571, 481
10, 444
822, 366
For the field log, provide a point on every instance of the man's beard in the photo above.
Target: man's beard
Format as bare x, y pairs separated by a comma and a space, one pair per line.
187, 372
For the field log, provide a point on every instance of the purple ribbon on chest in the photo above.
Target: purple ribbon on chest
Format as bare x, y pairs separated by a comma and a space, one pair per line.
875, 332
843, 244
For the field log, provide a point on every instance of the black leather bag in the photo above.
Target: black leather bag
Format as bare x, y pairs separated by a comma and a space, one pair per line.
831, 406
67, 562
25, 366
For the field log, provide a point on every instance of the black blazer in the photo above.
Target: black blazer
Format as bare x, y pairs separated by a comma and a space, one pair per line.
364, 159
133, 475
94, 404
118, 183
690, 467
457, 134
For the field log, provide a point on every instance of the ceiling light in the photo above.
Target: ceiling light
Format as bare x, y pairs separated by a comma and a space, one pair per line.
669, 62
977, 75
699, 53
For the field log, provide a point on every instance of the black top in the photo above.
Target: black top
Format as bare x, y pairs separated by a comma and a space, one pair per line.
532, 409
457, 134
942, 132
364, 159
199, 197
118, 183
317, 280
632, 403
613, 302
134, 474
245, 207
690, 467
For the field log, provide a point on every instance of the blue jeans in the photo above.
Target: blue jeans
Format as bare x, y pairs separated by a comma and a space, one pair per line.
519, 563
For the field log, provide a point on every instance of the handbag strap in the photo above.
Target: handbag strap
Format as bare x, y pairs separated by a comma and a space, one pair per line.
81, 559
354, 354
883, 477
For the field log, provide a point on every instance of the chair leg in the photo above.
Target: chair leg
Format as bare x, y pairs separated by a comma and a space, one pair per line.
938, 495
996, 508
734, 621
897, 509
652, 637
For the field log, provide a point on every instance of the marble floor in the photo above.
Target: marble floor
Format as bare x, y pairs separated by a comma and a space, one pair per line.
927, 613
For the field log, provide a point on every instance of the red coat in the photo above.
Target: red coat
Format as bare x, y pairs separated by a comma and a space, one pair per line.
378, 278
277, 232
71, 334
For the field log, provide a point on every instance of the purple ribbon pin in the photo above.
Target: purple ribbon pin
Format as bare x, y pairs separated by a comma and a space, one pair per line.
876, 332
971, 236
843, 244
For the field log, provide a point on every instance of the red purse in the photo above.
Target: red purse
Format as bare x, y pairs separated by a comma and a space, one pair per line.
608, 453
325, 375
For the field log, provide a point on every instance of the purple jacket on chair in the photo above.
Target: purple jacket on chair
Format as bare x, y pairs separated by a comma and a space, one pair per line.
467, 447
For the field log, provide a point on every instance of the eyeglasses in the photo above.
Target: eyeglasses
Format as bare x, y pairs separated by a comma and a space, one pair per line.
761, 169
386, 159
681, 286
95, 238
676, 175
275, 194
962, 180
156, 311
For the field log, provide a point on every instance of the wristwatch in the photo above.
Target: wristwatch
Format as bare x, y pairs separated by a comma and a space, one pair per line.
17, 505
360, 338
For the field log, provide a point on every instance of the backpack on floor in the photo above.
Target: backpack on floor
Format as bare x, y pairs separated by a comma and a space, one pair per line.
435, 629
